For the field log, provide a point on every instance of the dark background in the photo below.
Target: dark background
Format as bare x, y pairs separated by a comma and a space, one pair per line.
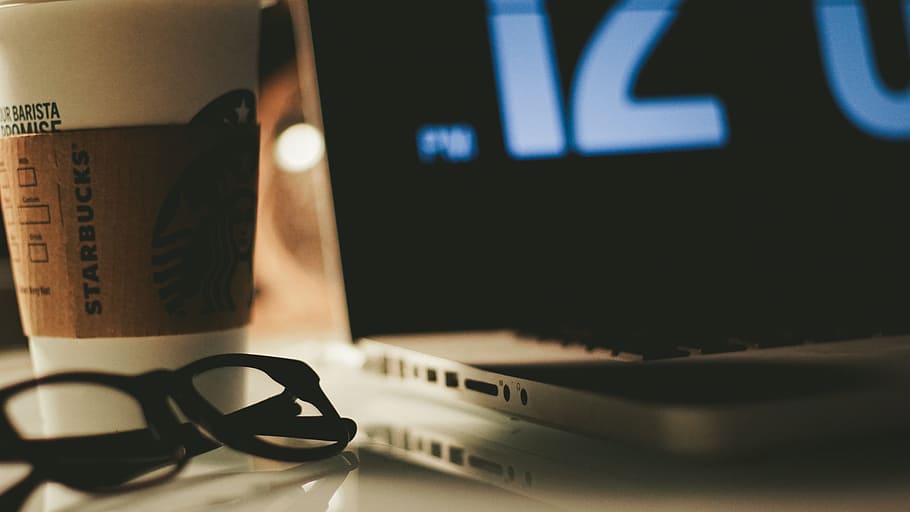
796, 229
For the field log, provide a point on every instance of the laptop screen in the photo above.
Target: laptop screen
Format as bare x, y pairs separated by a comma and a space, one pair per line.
635, 168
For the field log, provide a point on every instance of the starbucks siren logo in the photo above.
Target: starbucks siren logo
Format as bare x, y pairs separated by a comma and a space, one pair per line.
202, 243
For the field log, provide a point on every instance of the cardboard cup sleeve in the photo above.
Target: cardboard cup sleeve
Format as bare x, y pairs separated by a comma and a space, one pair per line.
126, 232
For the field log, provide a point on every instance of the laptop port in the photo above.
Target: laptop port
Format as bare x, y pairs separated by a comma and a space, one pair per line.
456, 455
485, 465
431, 375
451, 379
480, 386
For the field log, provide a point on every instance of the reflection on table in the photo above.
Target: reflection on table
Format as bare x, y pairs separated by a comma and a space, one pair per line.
415, 453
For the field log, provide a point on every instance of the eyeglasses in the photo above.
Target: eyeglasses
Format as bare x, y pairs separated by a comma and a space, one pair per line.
120, 461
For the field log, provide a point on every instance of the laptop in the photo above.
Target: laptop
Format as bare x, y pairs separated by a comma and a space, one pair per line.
678, 224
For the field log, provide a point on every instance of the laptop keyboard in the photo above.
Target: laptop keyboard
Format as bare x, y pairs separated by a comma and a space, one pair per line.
654, 347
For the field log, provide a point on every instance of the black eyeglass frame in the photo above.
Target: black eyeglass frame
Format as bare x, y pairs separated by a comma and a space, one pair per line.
104, 462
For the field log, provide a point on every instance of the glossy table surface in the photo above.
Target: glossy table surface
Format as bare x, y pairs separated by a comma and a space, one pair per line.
415, 453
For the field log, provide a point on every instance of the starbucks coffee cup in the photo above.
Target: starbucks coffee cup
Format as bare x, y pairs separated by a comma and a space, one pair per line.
128, 153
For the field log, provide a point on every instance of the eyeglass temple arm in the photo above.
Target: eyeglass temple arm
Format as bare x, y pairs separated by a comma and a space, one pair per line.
328, 427
318, 428
280, 406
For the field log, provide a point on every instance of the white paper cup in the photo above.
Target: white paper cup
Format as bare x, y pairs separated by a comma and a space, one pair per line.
120, 63
110, 63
